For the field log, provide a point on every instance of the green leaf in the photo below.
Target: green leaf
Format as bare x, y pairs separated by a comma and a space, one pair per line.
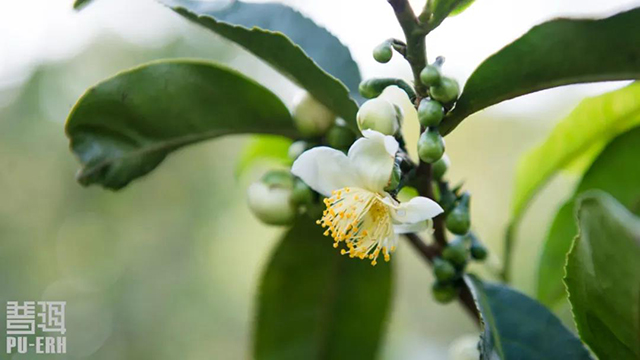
462, 6
441, 9
616, 172
316, 304
603, 277
518, 327
555, 53
264, 147
285, 56
124, 127
592, 124
80, 4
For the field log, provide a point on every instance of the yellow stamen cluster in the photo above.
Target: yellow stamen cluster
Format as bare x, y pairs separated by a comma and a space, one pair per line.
361, 220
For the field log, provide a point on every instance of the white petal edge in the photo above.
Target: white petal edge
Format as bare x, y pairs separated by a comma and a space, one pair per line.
416, 210
373, 157
325, 169
413, 228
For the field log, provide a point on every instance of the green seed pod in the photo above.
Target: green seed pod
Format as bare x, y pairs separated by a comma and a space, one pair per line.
444, 292
430, 75
458, 221
443, 270
445, 92
340, 137
430, 113
301, 194
311, 117
380, 115
430, 146
296, 149
270, 199
383, 52
456, 252
440, 167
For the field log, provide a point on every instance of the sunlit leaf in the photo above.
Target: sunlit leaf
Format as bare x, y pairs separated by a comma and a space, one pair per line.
616, 172
314, 303
264, 148
516, 327
603, 277
558, 52
124, 127
278, 50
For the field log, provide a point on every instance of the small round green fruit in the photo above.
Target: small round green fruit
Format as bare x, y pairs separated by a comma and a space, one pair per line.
430, 146
446, 91
478, 251
430, 113
301, 193
430, 75
443, 270
340, 137
383, 53
458, 221
456, 253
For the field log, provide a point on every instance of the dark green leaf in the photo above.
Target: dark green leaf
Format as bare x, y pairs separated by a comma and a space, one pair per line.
124, 127
584, 132
558, 52
79, 4
316, 304
615, 171
284, 55
603, 277
519, 328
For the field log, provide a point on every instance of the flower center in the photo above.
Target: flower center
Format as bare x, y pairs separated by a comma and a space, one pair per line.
361, 220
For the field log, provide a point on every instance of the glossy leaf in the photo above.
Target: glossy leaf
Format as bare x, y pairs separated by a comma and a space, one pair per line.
558, 52
516, 327
272, 46
80, 4
264, 148
591, 125
314, 303
124, 127
616, 172
603, 277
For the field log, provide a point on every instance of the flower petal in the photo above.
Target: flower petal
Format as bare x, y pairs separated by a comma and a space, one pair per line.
413, 228
415, 210
373, 157
325, 169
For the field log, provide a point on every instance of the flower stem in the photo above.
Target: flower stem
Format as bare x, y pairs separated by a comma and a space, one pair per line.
416, 55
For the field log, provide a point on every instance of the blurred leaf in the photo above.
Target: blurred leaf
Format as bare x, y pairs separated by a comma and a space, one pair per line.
518, 327
441, 9
124, 127
555, 53
462, 6
616, 172
594, 122
280, 52
603, 277
264, 147
79, 4
316, 304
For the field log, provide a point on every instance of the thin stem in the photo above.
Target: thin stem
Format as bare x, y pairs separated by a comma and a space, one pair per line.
416, 55
508, 250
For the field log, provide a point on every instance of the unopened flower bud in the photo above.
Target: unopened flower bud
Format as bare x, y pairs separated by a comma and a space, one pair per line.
430, 75
444, 292
456, 252
430, 113
379, 115
311, 117
302, 194
440, 167
296, 149
383, 52
443, 269
270, 199
458, 221
430, 146
446, 91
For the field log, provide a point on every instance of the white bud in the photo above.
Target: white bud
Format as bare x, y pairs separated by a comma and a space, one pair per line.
380, 115
310, 116
271, 204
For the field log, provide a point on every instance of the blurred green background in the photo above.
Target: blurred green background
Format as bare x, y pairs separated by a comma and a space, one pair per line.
167, 268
